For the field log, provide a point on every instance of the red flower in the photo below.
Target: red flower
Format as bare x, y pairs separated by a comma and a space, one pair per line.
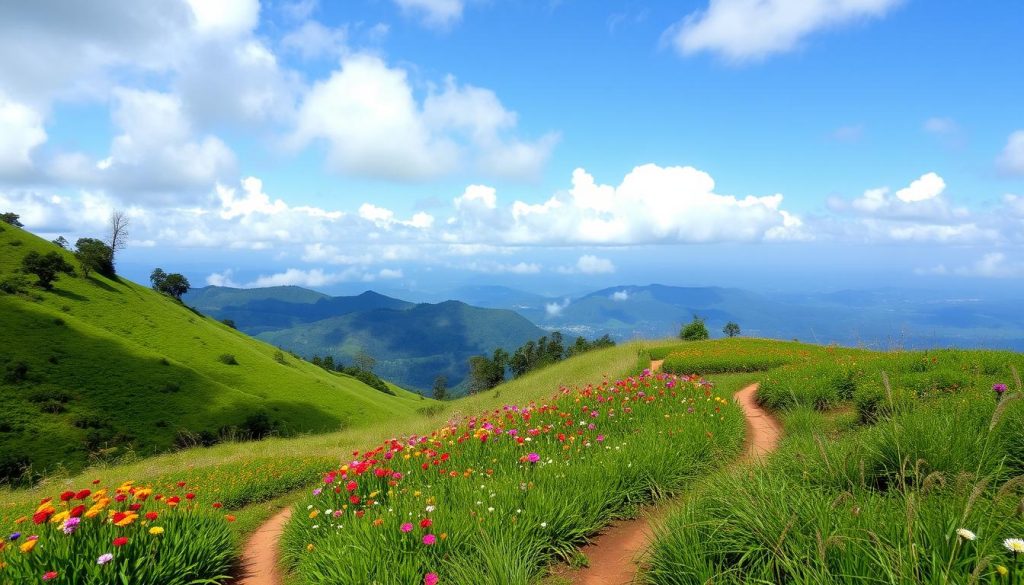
41, 517
190, 496
181, 484
95, 482
120, 497
218, 505
351, 486
77, 511
66, 496
83, 494
119, 516
151, 516
135, 507
354, 499
49, 575
121, 541
426, 523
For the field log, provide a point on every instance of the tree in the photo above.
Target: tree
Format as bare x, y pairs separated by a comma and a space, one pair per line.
365, 361
62, 242
11, 218
695, 330
440, 387
176, 285
157, 278
731, 329
117, 227
93, 255
47, 268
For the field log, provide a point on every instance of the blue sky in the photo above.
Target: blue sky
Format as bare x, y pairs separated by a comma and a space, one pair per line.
550, 145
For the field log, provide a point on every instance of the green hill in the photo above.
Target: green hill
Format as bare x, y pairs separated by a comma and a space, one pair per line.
412, 346
97, 368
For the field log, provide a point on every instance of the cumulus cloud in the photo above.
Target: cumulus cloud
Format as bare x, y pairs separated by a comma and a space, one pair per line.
991, 265
313, 40
748, 30
929, 186
492, 267
374, 126
222, 279
21, 131
434, 13
225, 17
555, 308
620, 295
317, 277
652, 204
589, 264
923, 199
1011, 160
155, 153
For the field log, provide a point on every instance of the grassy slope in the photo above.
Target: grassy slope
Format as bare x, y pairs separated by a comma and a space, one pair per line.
98, 345
245, 475
868, 484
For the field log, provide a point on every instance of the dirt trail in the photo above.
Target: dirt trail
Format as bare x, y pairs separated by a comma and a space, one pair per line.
260, 556
615, 554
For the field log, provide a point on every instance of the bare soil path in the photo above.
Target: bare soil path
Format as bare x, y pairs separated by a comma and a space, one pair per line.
614, 557
260, 558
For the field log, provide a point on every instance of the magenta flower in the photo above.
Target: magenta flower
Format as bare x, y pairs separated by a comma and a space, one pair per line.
429, 539
533, 458
430, 579
407, 527
999, 388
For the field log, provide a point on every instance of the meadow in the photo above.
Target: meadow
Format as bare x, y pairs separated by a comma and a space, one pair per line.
901, 467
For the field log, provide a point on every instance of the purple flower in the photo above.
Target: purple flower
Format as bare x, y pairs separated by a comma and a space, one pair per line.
15, 536
104, 559
70, 525
533, 458
317, 492
999, 388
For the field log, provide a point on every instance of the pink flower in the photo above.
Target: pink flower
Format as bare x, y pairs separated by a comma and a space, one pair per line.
407, 527
430, 579
429, 539
533, 458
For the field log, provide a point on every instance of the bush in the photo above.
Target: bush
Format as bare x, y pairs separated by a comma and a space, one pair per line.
369, 378
258, 425
13, 284
227, 358
229, 322
695, 330
279, 358
16, 372
170, 388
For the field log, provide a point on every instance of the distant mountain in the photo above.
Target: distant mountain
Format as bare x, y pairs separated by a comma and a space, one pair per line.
412, 343
96, 367
272, 309
500, 297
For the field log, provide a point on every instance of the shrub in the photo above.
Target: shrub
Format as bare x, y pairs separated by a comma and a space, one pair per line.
695, 330
258, 425
279, 358
52, 407
46, 267
170, 388
13, 284
16, 372
229, 322
227, 358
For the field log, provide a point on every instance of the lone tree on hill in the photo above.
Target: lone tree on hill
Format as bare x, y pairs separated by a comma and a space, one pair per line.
440, 387
695, 330
172, 284
118, 230
365, 361
93, 255
731, 329
10, 217
47, 268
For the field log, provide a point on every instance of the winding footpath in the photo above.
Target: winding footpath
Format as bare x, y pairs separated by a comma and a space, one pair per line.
613, 556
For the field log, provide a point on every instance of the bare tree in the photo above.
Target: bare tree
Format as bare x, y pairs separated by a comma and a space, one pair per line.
118, 229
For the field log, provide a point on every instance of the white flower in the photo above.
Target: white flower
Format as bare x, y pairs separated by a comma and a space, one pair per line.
1014, 545
430, 508
966, 534
543, 524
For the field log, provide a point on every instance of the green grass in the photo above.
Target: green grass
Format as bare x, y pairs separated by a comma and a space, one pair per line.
499, 519
871, 481
98, 369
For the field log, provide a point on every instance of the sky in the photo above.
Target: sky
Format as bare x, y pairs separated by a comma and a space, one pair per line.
556, 146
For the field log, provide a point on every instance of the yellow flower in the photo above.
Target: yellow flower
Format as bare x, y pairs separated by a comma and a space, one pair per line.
156, 530
309, 547
1003, 571
314, 514
58, 518
28, 545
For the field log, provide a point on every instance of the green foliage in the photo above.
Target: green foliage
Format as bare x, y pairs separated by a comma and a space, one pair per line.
13, 284
46, 267
440, 390
695, 330
229, 322
548, 350
228, 359
731, 329
173, 285
486, 373
94, 256
11, 218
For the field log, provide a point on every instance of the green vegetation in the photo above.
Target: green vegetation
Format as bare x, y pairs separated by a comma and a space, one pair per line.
98, 369
695, 330
900, 467
485, 373
731, 329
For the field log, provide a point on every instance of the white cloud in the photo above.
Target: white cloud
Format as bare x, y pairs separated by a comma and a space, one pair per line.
222, 279
313, 40
21, 131
555, 309
929, 186
491, 267
225, 17
374, 126
434, 13
389, 273
620, 296
317, 277
253, 201
991, 265
156, 152
589, 264
652, 204
1011, 160
747, 30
